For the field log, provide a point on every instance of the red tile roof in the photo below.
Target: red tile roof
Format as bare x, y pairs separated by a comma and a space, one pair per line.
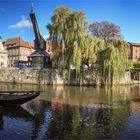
18, 42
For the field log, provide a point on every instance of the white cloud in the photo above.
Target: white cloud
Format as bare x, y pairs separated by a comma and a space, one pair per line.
2, 9
22, 31
24, 23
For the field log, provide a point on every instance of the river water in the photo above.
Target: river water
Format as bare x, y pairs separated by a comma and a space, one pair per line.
73, 113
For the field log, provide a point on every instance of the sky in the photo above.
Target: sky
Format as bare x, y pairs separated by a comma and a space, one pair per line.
15, 20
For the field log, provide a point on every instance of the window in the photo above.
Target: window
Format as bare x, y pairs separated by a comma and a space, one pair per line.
14, 44
137, 56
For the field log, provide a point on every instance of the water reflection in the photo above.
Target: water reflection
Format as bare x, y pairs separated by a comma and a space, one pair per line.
18, 87
60, 121
75, 113
15, 123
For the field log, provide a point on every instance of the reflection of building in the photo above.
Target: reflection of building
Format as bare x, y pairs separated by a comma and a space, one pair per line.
18, 50
134, 51
3, 55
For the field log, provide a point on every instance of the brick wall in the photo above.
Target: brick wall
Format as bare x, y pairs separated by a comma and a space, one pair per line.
134, 52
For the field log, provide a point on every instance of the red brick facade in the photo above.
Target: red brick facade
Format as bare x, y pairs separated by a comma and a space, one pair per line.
134, 51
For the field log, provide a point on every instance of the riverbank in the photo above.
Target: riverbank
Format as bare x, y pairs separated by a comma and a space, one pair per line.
52, 77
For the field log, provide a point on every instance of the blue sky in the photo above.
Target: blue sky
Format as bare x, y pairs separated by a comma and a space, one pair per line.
15, 21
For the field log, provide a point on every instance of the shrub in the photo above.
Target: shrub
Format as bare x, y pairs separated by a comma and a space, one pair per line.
136, 64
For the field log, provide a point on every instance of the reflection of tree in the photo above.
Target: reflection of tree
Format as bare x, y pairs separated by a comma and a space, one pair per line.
76, 116
80, 122
112, 118
74, 122
61, 123
111, 121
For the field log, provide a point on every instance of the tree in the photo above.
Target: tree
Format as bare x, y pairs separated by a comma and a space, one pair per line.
105, 30
114, 60
57, 26
69, 28
75, 37
57, 30
93, 46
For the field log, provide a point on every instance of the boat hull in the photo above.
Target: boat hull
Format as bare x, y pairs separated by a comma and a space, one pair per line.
17, 100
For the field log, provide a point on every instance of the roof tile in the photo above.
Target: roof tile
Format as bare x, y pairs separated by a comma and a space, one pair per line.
18, 42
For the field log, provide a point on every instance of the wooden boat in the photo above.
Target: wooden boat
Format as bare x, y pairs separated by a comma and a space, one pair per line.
12, 98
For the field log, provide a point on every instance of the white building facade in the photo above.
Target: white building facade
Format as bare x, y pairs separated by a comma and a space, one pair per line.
3, 55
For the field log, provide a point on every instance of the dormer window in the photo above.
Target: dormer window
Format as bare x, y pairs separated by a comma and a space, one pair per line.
14, 44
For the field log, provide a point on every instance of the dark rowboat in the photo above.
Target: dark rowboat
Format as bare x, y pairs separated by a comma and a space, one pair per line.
13, 98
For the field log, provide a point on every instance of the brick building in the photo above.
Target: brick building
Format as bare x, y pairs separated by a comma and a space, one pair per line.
18, 50
53, 47
134, 51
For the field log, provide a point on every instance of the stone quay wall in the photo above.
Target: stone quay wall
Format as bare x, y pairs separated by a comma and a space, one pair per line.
52, 77
30, 75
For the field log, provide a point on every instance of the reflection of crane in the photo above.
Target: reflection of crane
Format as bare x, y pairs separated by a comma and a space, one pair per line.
40, 43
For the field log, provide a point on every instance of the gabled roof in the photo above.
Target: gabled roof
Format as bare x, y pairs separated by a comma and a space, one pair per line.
39, 53
18, 42
134, 44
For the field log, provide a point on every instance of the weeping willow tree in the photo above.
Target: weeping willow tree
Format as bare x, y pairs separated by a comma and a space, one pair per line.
76, 26
92, 47
57, 32
78, 48
114, 60
57, 26
68, 29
